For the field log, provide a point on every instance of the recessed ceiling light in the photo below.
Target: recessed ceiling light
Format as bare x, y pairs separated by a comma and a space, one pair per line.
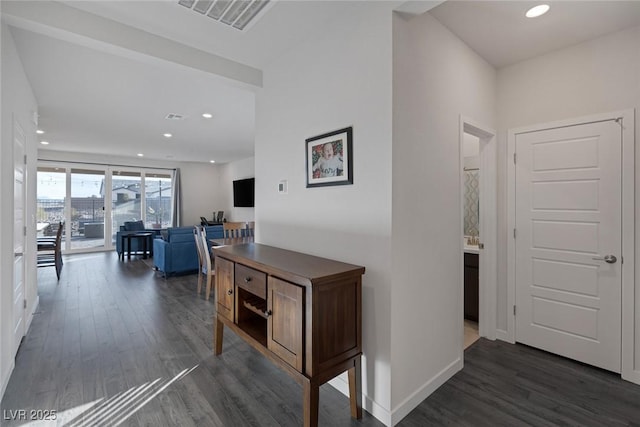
140, 155
167, 135
536, 11
207, 115
39, 131
212, 161
44, 142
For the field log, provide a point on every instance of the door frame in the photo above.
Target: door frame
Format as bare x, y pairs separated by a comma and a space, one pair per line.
18, 129
488, 258
628, 228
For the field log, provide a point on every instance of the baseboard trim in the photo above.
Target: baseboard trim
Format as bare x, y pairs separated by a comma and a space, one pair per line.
33, 312
5, 379
411, 402
632, 377
7, 376
381, 414
503, 335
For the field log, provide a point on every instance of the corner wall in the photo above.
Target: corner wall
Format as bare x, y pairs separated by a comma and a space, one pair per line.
19, 103
203, 190
436, 78
340, 79
239, 169
599, 76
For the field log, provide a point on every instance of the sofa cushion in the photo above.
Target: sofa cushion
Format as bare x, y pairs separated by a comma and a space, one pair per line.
180, 233
133, 226
177, 253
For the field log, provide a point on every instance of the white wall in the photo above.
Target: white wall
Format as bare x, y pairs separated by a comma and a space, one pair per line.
201, 183
18, 102
436, 79
230, 172
340, 79
203, 190
598, 76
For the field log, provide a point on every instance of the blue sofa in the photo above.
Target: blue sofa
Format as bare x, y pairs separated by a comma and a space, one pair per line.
175, 252
130, 227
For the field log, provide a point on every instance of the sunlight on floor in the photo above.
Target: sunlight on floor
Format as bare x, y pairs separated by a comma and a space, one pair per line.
115, 410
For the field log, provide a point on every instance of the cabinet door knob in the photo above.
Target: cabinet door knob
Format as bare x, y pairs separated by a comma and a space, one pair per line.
247, 279
230, 292
268, 313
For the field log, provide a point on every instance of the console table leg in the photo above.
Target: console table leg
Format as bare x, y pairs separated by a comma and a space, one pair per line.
217, 337
310, 404
355, 389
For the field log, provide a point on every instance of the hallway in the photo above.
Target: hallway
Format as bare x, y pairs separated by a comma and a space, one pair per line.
113, 342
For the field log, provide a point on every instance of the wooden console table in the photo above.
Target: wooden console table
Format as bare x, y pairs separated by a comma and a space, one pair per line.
302, 312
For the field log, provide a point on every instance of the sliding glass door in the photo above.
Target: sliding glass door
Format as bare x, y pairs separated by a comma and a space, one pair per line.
94, 201
87, 209
126, 198
158, 200
51, 200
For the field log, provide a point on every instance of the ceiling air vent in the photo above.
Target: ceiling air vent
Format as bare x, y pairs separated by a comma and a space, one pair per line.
174, 116
235, 13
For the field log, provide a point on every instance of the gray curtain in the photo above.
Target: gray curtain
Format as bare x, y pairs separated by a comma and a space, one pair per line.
176, 196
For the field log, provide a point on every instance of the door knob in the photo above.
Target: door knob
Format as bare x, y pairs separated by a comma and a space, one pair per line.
611, 259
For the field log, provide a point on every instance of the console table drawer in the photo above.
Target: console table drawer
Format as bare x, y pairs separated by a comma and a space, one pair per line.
251, 280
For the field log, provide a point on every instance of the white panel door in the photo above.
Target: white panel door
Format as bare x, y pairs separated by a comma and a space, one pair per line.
18, 236
568, 218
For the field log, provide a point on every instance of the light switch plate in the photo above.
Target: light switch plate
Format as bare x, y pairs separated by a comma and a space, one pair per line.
282, 187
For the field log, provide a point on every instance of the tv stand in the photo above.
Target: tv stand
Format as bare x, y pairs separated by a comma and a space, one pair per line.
302, 312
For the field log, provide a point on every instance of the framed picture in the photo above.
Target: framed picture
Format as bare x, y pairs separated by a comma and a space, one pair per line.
330, 158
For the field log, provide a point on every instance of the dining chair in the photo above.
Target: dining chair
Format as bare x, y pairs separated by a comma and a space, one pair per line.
251, 225
205, 263
233, 230
50, 251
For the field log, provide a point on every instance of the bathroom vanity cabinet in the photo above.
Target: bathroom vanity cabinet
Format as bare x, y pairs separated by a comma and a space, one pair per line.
302, 312
471, 283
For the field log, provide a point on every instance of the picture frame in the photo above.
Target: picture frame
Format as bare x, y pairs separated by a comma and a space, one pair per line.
330, 158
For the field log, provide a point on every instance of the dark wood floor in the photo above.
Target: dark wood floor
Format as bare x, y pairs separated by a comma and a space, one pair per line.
114, 343
515, 385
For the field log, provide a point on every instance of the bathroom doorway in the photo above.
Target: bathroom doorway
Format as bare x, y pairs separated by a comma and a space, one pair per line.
471, 242
478, 231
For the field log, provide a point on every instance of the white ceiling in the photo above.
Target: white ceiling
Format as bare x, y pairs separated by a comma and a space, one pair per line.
500, 33
94, 98
97, 99
95, 102
283, 25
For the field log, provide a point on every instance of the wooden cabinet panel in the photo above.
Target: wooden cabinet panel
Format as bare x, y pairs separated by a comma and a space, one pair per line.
284, 327
471, 287
225, 287
337, 304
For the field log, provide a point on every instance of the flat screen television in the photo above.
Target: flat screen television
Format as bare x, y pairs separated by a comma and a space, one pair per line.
243, 193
